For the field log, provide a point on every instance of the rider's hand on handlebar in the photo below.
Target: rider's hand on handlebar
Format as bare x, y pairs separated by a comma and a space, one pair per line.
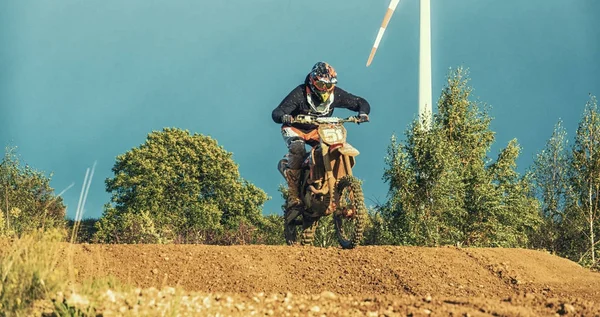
287, 119
363, 117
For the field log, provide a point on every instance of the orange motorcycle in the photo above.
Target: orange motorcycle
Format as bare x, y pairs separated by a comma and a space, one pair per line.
327, 186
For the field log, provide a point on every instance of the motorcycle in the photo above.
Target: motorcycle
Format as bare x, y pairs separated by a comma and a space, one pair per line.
327, 186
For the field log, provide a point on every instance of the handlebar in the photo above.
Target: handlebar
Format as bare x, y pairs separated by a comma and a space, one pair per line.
307, 119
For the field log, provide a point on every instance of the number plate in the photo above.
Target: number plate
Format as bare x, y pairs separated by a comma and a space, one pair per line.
333, 135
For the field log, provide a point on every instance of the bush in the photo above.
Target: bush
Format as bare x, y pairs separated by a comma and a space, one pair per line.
130, 228
178, 187
86, 228
27, 200
377, 229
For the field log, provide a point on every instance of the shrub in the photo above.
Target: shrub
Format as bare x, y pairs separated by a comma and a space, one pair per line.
27, 200
176, 187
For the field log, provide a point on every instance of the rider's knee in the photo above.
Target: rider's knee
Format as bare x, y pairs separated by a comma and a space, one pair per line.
297, 147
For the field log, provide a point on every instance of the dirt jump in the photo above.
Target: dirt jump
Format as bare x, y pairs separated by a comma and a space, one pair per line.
366, 281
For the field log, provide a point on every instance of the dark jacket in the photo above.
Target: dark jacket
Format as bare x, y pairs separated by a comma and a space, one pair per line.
295, 103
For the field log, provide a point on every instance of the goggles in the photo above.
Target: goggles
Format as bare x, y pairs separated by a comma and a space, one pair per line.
323, 85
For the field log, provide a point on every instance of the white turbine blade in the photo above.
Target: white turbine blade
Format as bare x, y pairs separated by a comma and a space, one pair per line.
425, 95
87, 174
87, 189
386, 20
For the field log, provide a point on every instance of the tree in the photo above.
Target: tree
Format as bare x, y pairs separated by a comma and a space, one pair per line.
440, 189
515, 218
174, 185
26, 199
584, 203
550, 172
425, 190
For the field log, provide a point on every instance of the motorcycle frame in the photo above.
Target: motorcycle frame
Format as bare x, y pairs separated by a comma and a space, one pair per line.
336, 164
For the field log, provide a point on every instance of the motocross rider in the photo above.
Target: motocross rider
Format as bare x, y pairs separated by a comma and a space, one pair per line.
317, 96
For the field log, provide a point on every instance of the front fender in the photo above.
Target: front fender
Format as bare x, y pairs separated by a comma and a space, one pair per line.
348, 150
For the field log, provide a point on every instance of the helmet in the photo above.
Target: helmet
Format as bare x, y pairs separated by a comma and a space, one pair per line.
322, 79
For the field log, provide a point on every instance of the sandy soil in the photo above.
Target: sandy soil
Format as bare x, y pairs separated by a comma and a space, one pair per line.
370, 281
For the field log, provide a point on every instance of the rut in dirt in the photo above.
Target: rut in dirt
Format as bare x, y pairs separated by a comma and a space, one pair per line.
366, 270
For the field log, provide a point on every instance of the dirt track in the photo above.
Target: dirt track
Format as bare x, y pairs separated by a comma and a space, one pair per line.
380, 280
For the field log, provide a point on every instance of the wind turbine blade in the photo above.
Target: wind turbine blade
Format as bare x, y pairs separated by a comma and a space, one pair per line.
386, 20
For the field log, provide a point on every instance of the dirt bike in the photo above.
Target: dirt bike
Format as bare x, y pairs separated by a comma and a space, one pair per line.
327, 186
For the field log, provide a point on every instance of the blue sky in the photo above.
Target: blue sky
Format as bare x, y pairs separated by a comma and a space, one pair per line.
84, 81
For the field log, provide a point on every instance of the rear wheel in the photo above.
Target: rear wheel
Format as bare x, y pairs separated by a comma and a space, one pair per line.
309, 227
349, 220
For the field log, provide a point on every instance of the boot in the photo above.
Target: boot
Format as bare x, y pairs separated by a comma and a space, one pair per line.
293, 179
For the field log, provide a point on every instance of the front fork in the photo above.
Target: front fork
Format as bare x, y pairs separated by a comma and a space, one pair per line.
331, 181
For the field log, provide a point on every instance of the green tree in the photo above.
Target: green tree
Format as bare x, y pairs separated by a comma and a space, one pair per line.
515, 217
550, 176
377, 228
582, 215
26, 199
176, 185
270, 230
440, 189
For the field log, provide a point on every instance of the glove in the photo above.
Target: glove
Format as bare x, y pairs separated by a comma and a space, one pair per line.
286, 119
363, 117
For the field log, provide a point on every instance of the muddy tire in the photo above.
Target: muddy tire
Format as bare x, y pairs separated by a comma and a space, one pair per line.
349, 226
309, 227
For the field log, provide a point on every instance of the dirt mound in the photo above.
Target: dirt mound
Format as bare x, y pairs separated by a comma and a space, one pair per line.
485, 281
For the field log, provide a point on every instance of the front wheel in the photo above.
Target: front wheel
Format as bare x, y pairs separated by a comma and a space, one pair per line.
349, 218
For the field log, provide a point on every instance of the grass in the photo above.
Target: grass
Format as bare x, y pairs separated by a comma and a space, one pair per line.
37, 275
38, 279
29, 272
